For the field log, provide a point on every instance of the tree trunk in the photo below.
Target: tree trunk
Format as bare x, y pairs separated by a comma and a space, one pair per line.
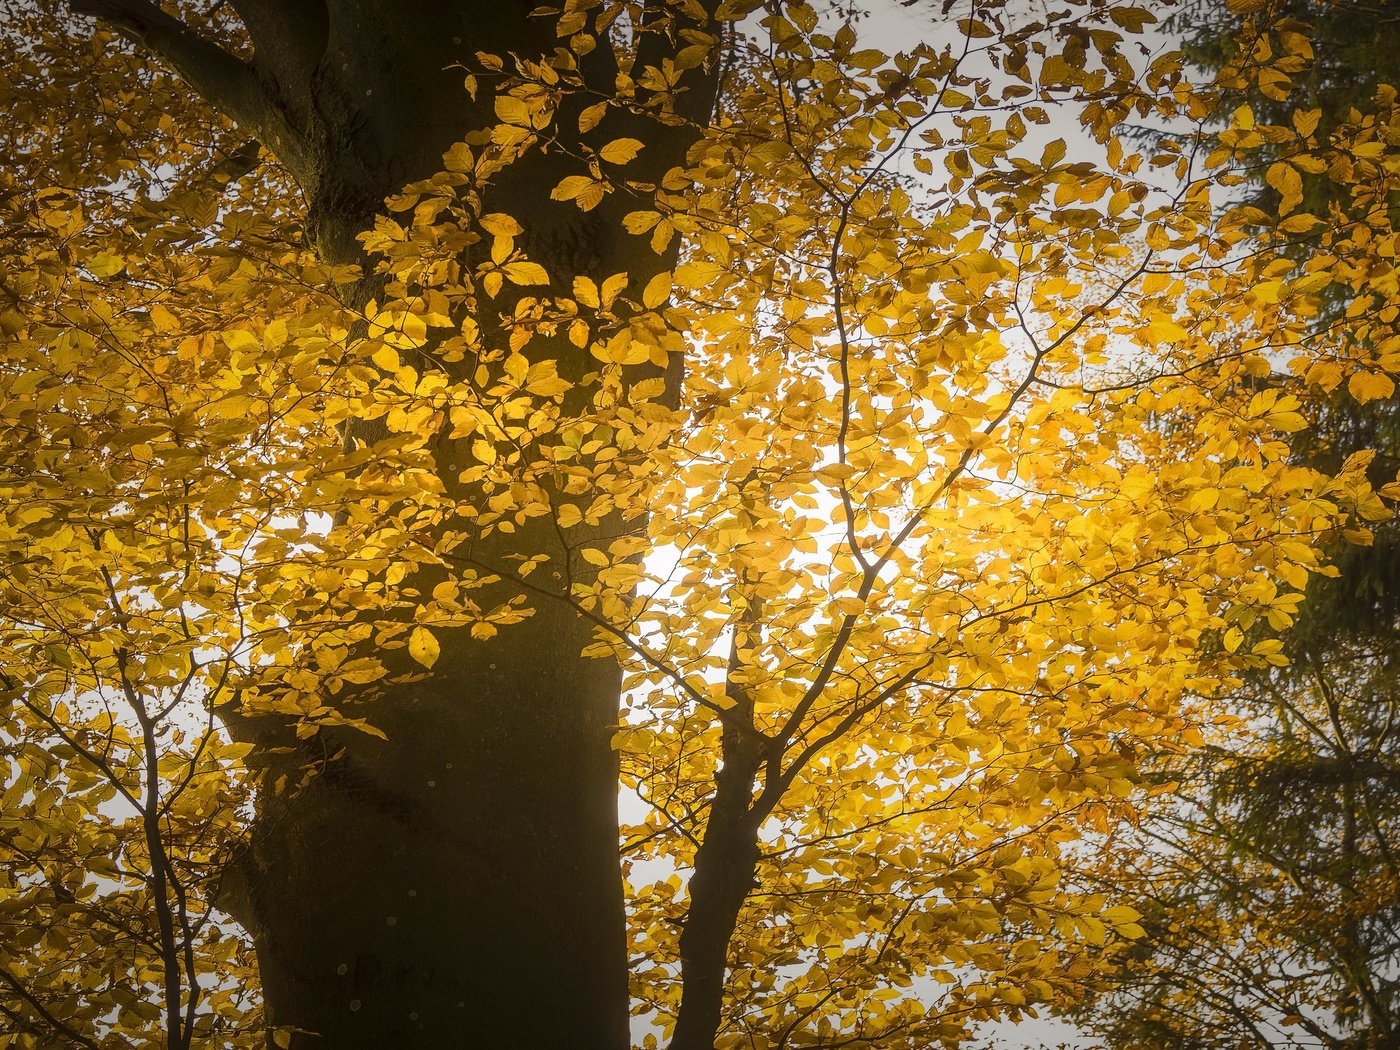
456, 885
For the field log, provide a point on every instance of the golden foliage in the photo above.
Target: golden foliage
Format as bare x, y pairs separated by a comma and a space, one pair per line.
978, 465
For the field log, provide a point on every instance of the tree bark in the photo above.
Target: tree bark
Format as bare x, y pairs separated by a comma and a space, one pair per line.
458, 884
725, 866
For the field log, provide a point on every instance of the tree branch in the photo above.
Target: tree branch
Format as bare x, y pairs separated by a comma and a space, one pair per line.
43, 1013
223, 80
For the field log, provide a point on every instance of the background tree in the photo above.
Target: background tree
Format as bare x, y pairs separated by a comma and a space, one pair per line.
1269, 887
369, 491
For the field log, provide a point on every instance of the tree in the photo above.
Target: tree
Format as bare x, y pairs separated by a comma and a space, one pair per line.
1269, 886
396, 390
1350, 54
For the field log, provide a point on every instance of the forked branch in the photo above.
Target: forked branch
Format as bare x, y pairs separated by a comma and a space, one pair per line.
225, 81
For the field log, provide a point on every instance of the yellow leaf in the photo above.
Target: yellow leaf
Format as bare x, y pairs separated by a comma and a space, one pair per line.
588, 119
1131, 18
523, 272
1370, 386
240, 340
423, 646
1289, 184
620, 151
1167, 331
657, 291
512, 110
622, 349
484, 451
163, 319
583, 189
1300, 223
1306, 121
586, 292
459, 158
613, 287
640, 221
1288, 422
105, 265
543, 380
500, 225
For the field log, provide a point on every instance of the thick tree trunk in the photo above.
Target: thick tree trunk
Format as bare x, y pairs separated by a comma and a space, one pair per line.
458, 884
